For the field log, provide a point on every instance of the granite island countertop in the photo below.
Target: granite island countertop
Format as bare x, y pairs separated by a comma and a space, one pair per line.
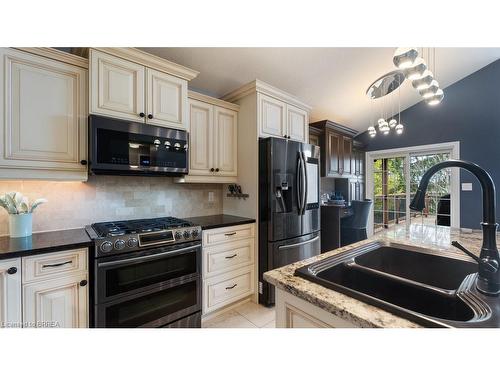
358, 312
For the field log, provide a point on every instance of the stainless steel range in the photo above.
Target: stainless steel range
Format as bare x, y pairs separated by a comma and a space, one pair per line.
147, 273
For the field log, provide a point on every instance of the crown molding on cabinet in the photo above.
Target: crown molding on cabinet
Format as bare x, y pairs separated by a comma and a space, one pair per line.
55, 54
265, 88
211, 100
151, 61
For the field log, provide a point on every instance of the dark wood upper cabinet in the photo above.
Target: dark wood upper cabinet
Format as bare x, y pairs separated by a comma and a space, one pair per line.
338, 149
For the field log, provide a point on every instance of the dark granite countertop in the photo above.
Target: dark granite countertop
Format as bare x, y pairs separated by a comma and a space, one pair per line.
44, 242
219, 221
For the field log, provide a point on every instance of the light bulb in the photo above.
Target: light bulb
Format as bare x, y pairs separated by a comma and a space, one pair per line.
415, 70
399, 128
380, 121
371, 129
430, 91
392, 123
404, 57
423, 82
436, 98
372, 134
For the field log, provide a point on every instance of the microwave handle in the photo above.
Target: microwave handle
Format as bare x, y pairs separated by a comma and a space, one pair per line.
146, 257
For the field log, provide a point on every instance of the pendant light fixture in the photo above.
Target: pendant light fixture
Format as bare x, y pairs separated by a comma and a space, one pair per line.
429, 91
436, 98
423, 82
415, 70
404, 57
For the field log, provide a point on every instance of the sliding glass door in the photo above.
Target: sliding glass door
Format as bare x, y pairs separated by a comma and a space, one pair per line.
394, 179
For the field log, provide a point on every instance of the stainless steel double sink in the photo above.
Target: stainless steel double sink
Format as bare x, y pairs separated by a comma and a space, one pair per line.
432, 288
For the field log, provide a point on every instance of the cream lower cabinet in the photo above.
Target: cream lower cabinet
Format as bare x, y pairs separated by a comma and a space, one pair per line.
43, 112
10, 293
280, 119
213, 140
55, 290
293, 312
228, 266
122, 85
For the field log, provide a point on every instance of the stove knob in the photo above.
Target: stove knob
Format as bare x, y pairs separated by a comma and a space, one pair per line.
194, 233
178, 235
186, 235
106, 247
132, 242
119, 244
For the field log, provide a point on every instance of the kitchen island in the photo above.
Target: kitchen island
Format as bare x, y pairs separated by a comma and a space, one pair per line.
301, 303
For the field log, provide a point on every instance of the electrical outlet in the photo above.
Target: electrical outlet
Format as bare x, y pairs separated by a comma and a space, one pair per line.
211, 196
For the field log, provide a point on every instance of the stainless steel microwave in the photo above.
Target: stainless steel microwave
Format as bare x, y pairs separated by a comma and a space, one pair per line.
131, 148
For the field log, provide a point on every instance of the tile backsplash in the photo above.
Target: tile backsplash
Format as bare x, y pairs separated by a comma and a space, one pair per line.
104, 198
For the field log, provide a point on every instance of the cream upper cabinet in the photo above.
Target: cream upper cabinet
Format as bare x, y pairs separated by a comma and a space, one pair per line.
226, 141
201, 138
44, 117
298, 124
280, 119
166, 100
272, 116
117, 87
10, 293
57, 303
213, 140
133, 85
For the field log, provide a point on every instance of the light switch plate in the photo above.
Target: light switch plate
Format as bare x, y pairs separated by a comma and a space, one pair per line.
466, 186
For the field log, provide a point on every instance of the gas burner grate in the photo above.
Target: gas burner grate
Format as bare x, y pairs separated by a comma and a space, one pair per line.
118, 228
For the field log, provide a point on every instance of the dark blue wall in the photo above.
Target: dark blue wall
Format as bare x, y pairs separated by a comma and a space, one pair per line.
469, 113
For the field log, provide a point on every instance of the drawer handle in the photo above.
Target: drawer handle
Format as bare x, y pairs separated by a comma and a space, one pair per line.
231, 287
231, 256
57, 264
230, 234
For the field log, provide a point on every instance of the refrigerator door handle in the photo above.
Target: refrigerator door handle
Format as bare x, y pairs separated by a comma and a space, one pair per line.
299, 184
299, 244
306, 182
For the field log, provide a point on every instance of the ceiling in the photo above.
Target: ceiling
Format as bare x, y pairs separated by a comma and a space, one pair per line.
331, 80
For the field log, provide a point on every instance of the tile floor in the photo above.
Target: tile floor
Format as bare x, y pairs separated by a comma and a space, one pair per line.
248, 315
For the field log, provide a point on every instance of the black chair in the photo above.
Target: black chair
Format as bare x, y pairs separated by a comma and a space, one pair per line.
353, 228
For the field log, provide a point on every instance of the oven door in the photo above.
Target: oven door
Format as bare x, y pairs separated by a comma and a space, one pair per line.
124, 275
161, 306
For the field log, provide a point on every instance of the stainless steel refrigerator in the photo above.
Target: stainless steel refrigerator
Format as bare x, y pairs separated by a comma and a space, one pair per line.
289, 215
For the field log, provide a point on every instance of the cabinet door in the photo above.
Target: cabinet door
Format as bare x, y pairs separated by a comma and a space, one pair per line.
332, 155
201, 138
116, 87
353, 190
272, 117
313, 139
166, 100
346, 163
298, 124
59, 303
361, 190
361, 163
10, 293
43, 112
226, 129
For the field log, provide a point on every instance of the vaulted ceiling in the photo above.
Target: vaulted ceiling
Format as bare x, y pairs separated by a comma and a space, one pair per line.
332, 80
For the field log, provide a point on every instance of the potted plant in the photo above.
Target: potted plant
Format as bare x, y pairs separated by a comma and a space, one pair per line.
20, 211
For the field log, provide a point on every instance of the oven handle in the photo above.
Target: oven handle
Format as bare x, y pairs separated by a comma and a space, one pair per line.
145, 257
299, 244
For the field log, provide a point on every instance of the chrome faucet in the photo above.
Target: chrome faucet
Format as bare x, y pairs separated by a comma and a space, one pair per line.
488, 281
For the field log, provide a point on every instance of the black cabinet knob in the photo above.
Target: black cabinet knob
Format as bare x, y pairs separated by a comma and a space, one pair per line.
150, 116
211, 169
83, 282
142, 114
12, 270
217, 169
83, 162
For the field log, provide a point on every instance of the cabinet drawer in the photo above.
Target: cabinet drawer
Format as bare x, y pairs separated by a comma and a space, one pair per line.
227, 257
64, 263
221, 290
227, 234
